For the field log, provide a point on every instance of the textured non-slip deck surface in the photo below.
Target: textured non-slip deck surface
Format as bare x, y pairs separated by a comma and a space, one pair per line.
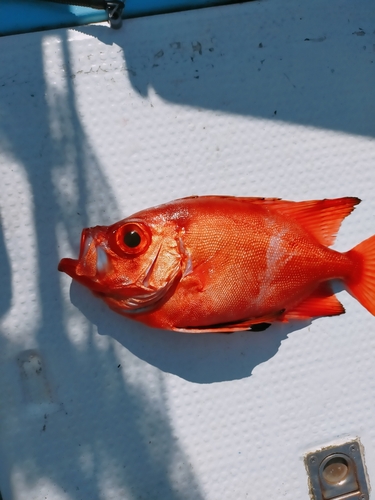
260, 99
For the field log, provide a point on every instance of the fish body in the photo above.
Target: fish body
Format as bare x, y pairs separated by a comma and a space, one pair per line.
225, 264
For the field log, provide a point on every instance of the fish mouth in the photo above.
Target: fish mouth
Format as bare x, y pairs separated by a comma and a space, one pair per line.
92, 260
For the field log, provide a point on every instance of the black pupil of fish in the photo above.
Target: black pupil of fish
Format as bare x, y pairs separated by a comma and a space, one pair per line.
132, 239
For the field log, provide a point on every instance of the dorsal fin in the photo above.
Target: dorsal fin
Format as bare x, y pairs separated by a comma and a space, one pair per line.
321, 218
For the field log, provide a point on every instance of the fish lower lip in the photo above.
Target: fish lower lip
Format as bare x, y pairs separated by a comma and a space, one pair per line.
68, 266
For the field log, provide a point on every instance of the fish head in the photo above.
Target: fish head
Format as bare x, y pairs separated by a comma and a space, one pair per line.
132, 264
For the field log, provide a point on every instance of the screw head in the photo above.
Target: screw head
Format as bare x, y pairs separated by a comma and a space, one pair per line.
353, 448
313, 460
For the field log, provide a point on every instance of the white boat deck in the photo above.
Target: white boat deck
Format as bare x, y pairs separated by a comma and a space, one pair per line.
267, 98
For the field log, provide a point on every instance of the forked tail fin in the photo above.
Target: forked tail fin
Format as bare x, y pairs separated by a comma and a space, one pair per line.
361, 284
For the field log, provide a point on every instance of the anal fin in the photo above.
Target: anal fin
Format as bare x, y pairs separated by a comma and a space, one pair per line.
322, 302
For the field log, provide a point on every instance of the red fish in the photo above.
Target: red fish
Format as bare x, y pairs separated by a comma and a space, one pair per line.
225, 264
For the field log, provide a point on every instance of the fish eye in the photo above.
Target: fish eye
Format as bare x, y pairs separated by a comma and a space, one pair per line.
131, 239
